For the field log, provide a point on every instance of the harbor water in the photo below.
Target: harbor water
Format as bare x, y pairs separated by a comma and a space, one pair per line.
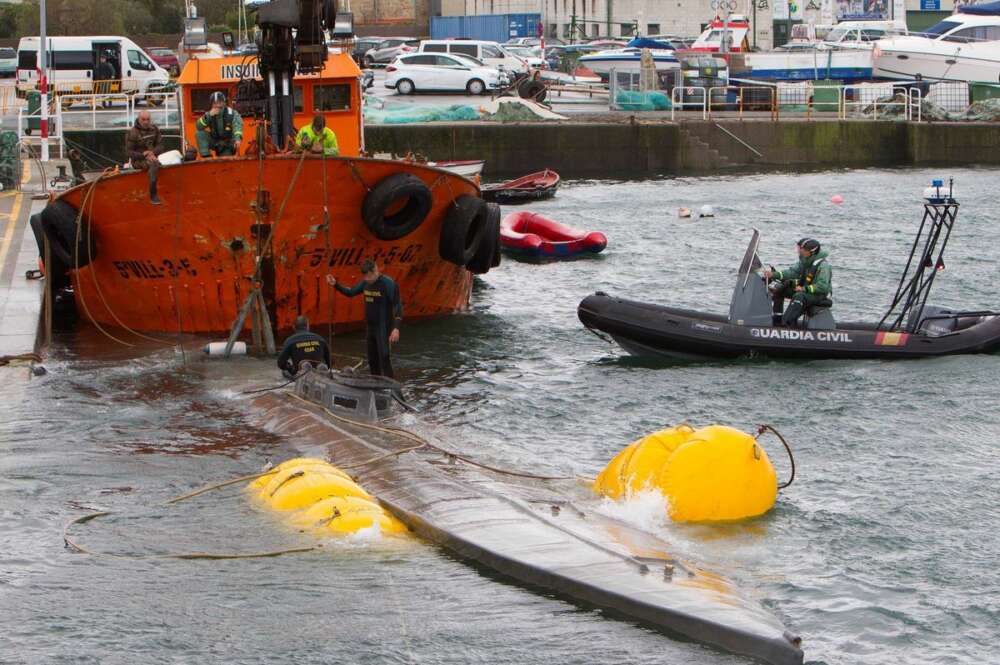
883, 550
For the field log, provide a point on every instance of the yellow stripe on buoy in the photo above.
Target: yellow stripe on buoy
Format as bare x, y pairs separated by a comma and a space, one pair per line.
321, 496
710, 474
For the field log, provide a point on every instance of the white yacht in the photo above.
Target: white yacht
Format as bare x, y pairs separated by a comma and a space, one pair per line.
963, 47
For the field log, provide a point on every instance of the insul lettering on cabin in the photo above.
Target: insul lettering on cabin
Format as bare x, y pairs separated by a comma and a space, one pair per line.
248, 70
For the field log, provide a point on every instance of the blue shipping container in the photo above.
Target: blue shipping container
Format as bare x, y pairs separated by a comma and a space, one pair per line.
489, 27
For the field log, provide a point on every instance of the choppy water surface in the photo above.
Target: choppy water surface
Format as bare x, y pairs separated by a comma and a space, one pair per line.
884, 549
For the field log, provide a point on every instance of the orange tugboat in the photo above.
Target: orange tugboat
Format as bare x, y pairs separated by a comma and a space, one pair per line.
268, 222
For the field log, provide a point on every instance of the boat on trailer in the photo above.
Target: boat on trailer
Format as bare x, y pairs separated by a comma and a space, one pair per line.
910, 328
539, 531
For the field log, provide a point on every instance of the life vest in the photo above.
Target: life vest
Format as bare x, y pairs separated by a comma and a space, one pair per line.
223, 133
809, 276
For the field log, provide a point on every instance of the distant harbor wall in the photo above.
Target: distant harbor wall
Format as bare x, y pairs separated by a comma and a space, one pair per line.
611, 149
633, 149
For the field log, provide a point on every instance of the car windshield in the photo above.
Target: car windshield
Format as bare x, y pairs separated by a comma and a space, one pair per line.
7, 53
940, 28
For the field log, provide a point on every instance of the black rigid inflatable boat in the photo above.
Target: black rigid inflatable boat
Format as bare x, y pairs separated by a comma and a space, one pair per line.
910, 329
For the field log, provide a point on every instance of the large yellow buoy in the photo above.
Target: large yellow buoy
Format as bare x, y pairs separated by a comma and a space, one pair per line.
710, 474
320, 495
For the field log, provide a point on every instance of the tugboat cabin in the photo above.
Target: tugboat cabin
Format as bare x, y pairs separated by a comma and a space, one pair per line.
335, 92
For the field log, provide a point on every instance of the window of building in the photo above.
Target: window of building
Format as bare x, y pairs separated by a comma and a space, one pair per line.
298, 106
332, 97
566, 31
652, 28
553, 31
628, 29
595, 30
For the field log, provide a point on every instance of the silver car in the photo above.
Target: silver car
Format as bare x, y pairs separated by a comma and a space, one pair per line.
389, 49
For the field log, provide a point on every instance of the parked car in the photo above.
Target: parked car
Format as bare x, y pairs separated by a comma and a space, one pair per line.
534, 41
165, 58
489, 52
439, 72
530, 54
362, 45
8, 63
389, 49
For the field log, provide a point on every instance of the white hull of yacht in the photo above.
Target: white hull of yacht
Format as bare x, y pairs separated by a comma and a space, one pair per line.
936, 61
848, 65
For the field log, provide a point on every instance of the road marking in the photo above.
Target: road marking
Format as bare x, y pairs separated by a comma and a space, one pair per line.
8, 236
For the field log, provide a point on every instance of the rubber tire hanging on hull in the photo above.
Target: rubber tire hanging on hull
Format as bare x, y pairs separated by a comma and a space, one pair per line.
389, 192
487, 254
463, 230
58, 221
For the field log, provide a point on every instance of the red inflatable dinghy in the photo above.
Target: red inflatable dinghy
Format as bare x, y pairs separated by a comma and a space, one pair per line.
530, 235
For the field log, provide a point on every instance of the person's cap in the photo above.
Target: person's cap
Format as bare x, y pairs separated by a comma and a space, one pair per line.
810, 245
367, 266
217, 97
301, 323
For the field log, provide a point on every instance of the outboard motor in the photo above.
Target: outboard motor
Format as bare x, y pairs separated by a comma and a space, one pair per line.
934, 321
751, 303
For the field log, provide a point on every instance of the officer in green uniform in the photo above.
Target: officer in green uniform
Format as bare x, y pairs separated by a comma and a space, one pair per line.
383, 314
302, 346
317, 137
220, 130
808, 282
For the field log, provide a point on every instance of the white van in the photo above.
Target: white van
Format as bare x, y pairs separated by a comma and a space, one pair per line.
74, 65
490, 53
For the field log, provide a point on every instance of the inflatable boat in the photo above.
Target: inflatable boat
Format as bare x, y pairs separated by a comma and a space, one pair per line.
532, 187
543, 532
532, 236
910, 329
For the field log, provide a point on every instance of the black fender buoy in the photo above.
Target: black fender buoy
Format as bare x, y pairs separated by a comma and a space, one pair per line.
463, 230
58, 221
534, 90
488, 253
409, 199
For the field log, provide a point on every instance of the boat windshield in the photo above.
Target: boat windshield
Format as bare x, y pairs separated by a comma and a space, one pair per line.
940, 28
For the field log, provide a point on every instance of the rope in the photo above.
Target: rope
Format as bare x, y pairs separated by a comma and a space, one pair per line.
791, 458
326, 227
406, 434
33, 357
225, 483
214, 556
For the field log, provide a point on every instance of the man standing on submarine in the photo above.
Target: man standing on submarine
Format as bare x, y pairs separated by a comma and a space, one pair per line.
383, 314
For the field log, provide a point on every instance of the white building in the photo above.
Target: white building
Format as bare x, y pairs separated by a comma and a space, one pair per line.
771, 20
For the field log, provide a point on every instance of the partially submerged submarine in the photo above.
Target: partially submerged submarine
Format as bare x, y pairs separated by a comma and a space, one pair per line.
538, 531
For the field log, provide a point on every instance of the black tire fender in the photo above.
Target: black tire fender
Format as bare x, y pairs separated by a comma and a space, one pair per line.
534, 90
58, 221
463, 229
416, 201
487, 254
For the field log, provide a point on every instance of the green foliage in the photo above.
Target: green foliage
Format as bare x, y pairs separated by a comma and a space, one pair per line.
94, 17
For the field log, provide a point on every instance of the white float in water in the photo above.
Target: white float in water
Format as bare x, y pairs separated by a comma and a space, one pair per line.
219, 349
706, 211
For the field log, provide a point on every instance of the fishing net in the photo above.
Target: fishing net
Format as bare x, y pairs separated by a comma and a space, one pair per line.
9, 161
409, 114
633, 100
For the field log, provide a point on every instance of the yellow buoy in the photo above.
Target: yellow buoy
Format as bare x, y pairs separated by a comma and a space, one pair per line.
347, 514
322, 496
709, 474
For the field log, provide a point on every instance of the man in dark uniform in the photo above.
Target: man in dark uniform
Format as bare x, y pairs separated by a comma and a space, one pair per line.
302, 346
808, 282
220, 130
383, 314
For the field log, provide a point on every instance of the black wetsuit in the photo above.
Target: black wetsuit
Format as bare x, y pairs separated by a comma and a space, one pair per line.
383, 314
300, 347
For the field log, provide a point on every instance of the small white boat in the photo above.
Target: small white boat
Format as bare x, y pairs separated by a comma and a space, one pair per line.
468, 168
963, 47
628, 59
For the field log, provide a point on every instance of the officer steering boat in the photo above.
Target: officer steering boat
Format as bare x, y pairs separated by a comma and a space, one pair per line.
807, 328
